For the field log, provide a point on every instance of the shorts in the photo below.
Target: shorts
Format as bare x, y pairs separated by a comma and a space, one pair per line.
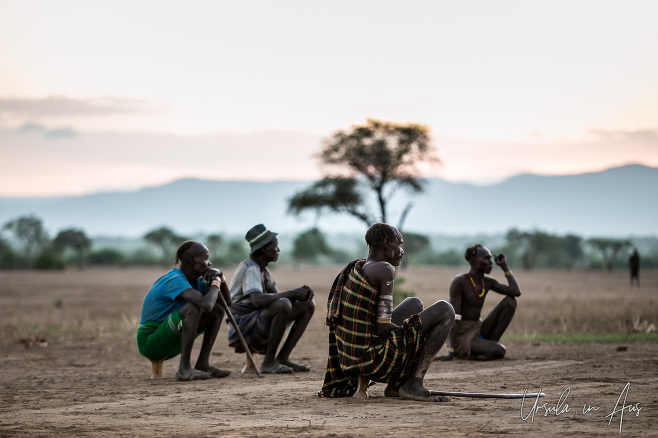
161, 340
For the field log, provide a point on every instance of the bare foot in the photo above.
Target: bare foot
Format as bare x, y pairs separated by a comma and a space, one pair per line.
192, 374
215, 372
391, 391
420, 393
297, 367
276, 368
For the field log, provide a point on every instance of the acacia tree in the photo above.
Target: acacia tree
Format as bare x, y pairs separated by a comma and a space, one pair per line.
214, 242
572, 246
609, 249
531, 245
30, 230
309, 245
415, 244
74, 239
165, 239
378, 157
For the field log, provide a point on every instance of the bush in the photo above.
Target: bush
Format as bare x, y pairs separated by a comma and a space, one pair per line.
342, 257
448, 258
48, 260
143, 257
106, 256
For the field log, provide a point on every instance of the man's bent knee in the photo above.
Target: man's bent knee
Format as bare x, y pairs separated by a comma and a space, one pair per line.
439, 313
499, 351
218, 310
446, 310
510, 302
310, 306
281, 305
414, 304
189, 312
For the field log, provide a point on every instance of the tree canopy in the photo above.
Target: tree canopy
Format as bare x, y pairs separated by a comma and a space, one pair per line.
214, 242
309, 245
74, 239
30, 230
377, 157
609, 249
415, 246
165, 239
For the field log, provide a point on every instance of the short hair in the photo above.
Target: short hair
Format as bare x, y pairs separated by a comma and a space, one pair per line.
185, 246
471, 251
378, 233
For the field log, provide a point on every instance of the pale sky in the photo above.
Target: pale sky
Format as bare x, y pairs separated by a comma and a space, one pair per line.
98, 96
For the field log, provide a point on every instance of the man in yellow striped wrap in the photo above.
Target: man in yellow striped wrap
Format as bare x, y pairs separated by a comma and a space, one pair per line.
368, 338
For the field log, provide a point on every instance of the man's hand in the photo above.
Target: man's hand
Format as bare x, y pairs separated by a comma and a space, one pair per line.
211, 274
304, 293
385, 329
501, 261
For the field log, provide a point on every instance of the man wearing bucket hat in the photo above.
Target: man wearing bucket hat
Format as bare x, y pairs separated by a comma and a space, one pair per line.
262, 312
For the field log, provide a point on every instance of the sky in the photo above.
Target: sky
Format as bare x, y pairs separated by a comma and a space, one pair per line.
101, 96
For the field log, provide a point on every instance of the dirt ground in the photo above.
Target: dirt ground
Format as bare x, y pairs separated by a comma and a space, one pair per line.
70, 366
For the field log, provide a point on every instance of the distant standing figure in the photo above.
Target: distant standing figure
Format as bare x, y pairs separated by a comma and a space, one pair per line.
470, 336
262, 312
634, 265
180, 306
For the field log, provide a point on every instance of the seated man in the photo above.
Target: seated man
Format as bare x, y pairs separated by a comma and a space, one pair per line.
179, 307
262, 312
368, 339
472, 337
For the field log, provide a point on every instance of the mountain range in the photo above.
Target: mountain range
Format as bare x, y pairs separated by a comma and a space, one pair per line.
620, 201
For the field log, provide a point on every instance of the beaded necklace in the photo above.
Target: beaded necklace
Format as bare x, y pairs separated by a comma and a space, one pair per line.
479, 295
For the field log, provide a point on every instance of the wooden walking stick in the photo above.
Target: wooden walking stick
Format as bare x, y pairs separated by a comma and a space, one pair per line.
231, 319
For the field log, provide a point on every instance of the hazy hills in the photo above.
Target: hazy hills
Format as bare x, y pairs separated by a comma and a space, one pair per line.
622, 201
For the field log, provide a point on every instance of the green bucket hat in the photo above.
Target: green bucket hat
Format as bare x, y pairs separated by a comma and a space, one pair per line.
259, 236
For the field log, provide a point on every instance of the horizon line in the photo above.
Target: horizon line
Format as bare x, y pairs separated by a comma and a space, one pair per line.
478, 183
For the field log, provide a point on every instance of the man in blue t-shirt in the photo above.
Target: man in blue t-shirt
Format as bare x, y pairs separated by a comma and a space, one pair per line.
180, 306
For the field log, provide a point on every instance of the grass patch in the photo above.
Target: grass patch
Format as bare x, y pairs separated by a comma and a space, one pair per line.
566, 338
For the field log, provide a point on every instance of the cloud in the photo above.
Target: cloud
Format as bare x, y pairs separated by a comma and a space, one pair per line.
643, 135
98, 161
56, 133
62, 106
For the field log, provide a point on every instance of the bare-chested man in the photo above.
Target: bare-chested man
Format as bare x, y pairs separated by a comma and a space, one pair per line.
371, 341
470, 336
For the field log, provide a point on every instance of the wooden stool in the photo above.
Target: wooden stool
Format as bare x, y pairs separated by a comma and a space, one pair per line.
157, 369
362, 388
249, 368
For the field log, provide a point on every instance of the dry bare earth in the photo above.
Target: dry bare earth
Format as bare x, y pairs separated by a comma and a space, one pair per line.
89, 379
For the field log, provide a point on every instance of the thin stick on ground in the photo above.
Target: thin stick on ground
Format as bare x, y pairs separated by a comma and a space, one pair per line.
487, 395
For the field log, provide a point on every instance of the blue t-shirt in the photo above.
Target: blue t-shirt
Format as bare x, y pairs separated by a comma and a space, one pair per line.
164, 297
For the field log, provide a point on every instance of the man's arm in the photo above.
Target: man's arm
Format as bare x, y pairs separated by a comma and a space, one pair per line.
206, 302
382, 275
261, 299
512, 288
